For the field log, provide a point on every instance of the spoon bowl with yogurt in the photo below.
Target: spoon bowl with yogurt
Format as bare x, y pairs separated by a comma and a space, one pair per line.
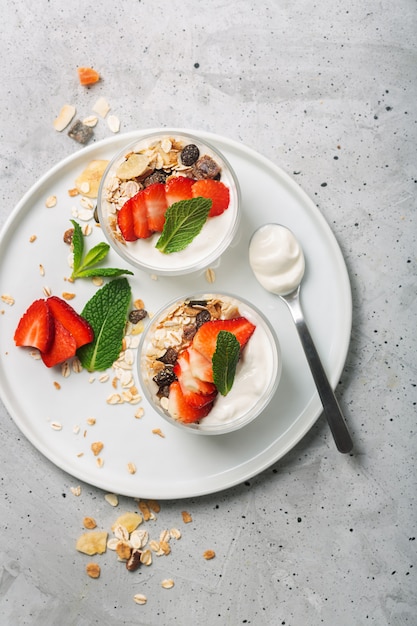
278, 263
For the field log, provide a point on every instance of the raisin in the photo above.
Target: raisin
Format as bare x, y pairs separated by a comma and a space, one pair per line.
206, 167
189, 331
189, 154
202, 317
170, 357
164, 377
136, 315
194, 303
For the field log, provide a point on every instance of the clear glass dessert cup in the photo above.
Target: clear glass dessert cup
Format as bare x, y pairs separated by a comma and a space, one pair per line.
217, 233
257, 374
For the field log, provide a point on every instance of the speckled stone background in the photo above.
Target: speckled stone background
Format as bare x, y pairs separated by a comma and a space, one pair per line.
328, 92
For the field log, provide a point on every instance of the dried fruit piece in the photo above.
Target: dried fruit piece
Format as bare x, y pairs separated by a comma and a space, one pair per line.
189, 154
87, 75
130, 521
65, 116
94, 542
80, 132
88, 181
135, 166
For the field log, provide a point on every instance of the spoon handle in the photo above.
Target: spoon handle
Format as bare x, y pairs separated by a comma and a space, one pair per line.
331, 407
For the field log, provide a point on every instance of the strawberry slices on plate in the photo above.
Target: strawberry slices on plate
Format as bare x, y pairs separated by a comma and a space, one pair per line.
54, 328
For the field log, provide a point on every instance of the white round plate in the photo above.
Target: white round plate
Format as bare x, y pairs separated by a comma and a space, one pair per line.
178, 465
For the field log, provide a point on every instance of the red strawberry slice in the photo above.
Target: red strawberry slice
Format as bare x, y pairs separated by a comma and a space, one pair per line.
216, 191
63, 347
156, 206
36, 327
178, 188
201, 367
125, 222
137, 205
79, 328
196, 392
181, 410
205, 338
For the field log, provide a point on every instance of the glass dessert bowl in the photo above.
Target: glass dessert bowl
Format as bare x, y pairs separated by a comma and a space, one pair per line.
169, 203
209, 363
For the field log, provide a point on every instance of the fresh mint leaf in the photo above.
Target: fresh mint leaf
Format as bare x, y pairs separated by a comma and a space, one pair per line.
183, 222
106, 312
83, 267
224, 361
77, 245
96, 254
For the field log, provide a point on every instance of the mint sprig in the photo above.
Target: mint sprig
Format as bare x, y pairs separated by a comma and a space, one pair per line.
225, 360
85, 267
106, 312
183, 222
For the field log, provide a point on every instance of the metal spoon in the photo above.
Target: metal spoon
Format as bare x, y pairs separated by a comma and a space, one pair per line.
265, 241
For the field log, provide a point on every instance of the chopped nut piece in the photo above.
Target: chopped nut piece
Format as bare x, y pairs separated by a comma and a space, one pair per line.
112, 499
58, 387
140, 413
91, 421
73, 192
134, 561
158, 431
209, 554
139, 598
168, 583
144, 509
65, 116
76, 491
50, 202
32, 238
99, 462
89, 522
90, 543
67, 295
154, 506
93, 570
97, 447
186, 517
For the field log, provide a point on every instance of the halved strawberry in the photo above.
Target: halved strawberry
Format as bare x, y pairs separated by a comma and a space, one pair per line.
140, 216
125, 222
178, 188
196, 392
36, 327
201, 367
79, 328
63, 347
181, 410
216, 191
205, 338
156, 206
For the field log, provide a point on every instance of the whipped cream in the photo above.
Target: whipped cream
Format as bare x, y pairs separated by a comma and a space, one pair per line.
276, 259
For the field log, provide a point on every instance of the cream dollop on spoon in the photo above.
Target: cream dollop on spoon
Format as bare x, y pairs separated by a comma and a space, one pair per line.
277, 260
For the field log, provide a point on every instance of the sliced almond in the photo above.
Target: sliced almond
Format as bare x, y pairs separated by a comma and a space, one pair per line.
65, 116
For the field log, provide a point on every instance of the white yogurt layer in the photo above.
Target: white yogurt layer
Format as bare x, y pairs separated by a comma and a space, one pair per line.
256, 374
276, 259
